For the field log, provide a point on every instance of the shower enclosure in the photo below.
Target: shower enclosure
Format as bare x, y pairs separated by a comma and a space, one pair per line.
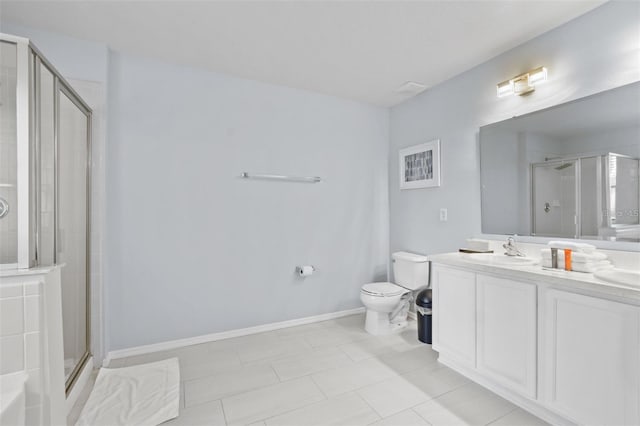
596, 197
45, 142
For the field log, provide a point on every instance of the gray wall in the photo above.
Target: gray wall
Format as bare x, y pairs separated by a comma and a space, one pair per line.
592, 53
192, 248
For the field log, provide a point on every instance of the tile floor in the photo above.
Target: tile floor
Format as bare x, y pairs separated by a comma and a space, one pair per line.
327, 373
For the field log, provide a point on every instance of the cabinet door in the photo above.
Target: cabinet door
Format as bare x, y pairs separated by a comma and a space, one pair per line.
591, 357
454, 314
507, 333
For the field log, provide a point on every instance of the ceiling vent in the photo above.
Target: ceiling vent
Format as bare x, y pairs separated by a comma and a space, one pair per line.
410, 88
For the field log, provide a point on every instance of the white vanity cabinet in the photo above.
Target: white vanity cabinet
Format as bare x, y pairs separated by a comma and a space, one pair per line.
567, 351
488, 324
506, 327
454, 314
591, 358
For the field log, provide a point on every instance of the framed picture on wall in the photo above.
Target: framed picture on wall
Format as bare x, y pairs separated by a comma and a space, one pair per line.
420, 165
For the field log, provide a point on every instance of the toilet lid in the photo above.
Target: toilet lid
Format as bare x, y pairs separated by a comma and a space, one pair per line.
383, 289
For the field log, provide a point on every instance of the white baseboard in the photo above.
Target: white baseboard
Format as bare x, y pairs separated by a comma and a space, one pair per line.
79, 385
196, 340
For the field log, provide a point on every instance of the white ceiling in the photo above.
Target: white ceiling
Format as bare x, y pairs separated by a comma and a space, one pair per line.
361, 50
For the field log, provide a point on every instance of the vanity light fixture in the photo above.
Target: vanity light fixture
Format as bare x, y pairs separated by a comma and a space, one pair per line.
523, 83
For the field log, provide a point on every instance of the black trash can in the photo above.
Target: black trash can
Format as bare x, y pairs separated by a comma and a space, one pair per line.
423, 309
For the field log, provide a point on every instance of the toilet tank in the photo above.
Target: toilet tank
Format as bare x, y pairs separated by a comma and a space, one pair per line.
410, 270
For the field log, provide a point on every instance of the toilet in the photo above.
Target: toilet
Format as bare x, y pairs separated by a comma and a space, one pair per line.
387, 303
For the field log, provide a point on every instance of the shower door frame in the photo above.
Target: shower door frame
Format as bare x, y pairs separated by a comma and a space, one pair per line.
28, 139
61, 86
24, 257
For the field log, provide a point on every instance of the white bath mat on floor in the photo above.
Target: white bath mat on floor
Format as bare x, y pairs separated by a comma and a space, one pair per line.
146, 394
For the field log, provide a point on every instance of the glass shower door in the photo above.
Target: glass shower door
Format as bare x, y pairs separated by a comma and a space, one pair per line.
72, 233
8, 155
554, 199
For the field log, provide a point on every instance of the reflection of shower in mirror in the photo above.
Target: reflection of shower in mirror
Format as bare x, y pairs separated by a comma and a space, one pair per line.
594, 196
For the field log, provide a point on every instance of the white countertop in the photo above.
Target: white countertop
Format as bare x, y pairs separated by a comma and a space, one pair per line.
561, 278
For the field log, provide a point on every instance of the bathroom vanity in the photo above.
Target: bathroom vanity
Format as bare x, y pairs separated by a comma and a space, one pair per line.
562, 345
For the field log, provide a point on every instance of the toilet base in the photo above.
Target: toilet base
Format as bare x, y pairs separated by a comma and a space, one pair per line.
378, 324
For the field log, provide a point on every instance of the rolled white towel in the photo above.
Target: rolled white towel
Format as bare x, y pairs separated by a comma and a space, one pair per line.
580, 267
591, 267
578, 247
576, 257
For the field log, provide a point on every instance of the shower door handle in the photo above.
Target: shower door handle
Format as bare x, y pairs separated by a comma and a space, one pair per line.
4, 207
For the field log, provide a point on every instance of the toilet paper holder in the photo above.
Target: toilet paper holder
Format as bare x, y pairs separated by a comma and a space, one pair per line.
305, 270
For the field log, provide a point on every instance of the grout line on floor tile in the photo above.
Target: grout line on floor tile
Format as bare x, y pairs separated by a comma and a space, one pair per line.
315, 383
504, 415
276, 373
224, 414
225, 396
451, 390
264, 420
418, 414
363, 386
370, 406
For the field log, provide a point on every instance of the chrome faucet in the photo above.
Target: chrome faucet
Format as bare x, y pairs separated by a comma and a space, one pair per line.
511, 249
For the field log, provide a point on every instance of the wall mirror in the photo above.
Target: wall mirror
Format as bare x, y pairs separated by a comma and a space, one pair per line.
569, 171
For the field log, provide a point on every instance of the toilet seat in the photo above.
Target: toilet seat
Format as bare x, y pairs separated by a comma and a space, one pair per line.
383, 289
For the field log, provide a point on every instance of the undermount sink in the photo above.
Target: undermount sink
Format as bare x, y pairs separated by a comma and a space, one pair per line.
619, 276
501, 259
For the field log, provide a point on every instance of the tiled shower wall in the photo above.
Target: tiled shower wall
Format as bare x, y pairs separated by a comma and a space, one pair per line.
20, 336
